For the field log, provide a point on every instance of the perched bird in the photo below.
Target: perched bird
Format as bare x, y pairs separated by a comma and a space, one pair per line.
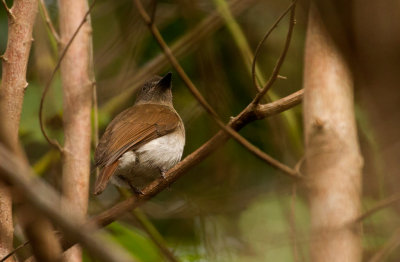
142, 142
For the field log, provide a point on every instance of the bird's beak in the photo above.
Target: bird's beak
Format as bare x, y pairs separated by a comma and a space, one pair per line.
165, 82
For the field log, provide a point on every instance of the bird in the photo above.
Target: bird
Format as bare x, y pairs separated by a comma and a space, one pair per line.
142, 142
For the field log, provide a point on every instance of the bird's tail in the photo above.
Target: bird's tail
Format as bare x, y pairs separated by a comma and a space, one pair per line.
104, 177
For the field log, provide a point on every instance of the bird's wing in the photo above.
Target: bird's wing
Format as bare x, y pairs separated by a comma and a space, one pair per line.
129, 130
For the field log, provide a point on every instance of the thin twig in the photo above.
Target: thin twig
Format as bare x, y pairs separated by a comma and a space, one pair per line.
381, 205
192, 88
8, 10
281, 59
153, 9
185, 44
51, 141
15, 251
49, 22
257, 52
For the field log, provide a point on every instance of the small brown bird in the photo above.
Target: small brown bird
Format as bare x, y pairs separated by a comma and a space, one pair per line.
142, 142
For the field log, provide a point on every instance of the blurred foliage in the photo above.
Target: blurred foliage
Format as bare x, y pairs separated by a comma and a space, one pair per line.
231, 207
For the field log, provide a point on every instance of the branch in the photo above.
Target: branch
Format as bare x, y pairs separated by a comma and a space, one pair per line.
49, 22
51, 141
18, 174
8, 10
381, 205
192, 88
187, 43
266, 110
281, 59
21, 18
193, 159
15, 250
256, 53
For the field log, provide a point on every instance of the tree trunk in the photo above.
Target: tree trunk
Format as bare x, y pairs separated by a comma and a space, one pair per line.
77, 90
21, 18
333, 160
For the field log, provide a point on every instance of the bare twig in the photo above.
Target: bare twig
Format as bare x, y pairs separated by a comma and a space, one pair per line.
49, 22
256, 53
186, 44
192, 88
51, 141
381, 205
153, 10
8, 10
281, 59
15, 251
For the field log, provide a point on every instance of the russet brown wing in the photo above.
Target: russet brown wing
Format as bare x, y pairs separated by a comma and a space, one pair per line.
129, 130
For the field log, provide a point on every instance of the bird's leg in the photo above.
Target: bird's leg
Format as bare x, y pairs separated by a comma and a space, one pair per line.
136, 190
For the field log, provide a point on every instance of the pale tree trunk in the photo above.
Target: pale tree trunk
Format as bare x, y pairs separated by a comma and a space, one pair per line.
77, 84
333, 160
21, 18
38, 229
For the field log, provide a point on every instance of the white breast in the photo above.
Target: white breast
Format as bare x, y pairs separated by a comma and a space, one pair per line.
163, 152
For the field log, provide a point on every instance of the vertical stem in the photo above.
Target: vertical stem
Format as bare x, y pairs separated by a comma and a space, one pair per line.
21, 18
333, 160
77, 91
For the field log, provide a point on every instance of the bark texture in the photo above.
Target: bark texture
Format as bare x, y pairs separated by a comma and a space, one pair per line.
21, 18
333, 160
76, 80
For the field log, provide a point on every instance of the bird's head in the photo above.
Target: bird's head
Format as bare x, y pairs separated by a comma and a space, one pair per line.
157, 90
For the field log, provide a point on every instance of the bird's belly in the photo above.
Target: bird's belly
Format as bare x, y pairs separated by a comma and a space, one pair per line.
163, 152
146, 163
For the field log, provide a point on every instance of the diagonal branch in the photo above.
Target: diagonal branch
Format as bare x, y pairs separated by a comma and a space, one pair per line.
8, 10
196, 157
219, 139
192, 88
381, 205
48, 21
281, 59
257, 52
186, 44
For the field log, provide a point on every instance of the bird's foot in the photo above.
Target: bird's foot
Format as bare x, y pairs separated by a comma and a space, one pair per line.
136, 190
163, 173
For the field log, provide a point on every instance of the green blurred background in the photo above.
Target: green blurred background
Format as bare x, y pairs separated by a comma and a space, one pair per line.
233, 206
